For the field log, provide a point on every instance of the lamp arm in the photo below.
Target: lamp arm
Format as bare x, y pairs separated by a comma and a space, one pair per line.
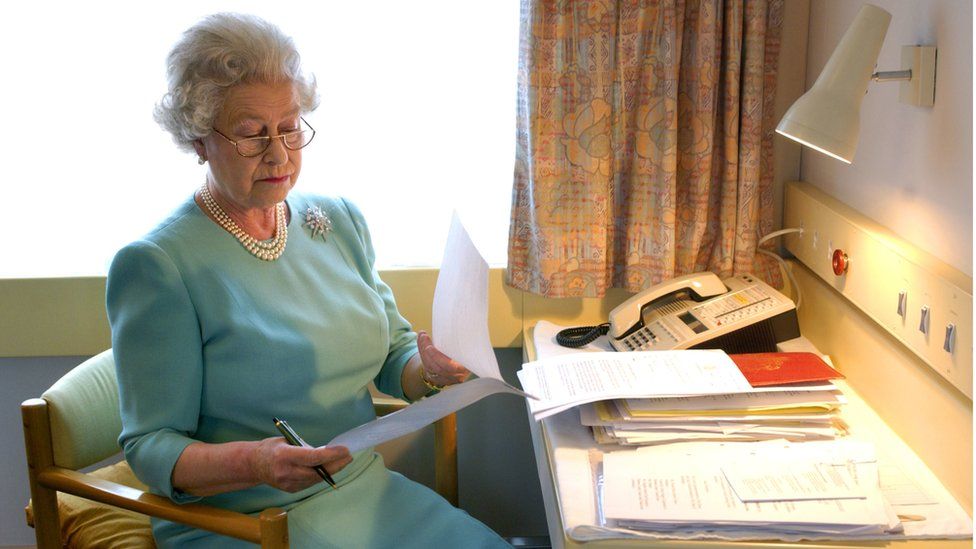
892, 76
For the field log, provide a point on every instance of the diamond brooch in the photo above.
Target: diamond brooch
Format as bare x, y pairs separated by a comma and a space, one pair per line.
317, 222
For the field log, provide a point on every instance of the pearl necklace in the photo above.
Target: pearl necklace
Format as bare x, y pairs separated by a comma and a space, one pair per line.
268, 251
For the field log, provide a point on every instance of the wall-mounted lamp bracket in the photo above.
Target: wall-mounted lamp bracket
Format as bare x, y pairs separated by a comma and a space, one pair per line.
892, 76
919, 88
918, 80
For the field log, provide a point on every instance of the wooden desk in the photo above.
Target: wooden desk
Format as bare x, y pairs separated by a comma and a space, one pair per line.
864, 422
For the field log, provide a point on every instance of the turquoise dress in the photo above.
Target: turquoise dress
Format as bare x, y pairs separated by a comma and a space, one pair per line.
211, 343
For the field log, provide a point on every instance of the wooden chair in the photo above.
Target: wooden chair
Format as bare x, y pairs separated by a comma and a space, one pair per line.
76, 424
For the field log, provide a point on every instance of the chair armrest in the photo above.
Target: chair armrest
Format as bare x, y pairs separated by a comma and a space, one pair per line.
385, 405
272, 522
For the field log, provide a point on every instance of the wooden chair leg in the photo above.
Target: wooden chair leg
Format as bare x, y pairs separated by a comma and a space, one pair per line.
40, 456
445, 459
274, 529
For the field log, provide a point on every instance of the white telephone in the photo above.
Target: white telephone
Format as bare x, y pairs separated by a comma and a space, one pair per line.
741, 314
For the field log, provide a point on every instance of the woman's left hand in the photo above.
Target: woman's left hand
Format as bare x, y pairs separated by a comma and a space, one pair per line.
439, 369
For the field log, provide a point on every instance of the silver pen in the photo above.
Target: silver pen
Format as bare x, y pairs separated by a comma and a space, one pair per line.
292, 437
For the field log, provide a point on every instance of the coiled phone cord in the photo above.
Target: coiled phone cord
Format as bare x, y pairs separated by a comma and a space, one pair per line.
581, 335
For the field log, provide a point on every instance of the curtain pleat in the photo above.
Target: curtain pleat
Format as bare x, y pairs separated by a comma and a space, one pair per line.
644, 142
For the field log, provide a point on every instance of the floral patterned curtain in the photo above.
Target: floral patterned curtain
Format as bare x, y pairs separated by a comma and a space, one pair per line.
644, 144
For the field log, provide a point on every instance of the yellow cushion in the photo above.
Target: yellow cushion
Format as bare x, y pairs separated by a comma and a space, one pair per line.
87, 524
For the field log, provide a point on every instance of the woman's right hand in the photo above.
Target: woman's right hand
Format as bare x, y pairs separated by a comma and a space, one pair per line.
290, 468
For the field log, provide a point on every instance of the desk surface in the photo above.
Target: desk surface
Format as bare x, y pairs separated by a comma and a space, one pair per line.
880, 434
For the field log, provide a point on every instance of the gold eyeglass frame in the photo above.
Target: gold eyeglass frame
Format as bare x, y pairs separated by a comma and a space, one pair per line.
269, 138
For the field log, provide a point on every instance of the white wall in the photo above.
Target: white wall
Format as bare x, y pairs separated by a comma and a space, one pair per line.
913, 171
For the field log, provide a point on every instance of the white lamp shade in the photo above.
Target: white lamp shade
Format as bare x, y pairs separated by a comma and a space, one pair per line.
828, 117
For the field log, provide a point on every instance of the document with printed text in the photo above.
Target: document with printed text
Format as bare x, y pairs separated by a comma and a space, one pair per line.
567, 381
765, 480
460, 330
644, 490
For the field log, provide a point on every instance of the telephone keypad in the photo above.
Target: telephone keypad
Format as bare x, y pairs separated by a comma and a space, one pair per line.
641, 340
647, 337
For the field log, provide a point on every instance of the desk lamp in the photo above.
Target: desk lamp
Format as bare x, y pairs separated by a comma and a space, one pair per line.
827, 117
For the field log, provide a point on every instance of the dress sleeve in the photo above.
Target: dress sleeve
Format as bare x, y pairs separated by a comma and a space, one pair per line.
158, 359
403, 340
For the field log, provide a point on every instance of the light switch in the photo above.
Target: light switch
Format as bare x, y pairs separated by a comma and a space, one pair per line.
950, 338
902, 303
923, 323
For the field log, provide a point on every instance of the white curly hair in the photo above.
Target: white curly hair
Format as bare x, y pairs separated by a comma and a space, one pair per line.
218, 53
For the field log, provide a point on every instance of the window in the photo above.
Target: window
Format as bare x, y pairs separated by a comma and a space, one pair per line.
417, 118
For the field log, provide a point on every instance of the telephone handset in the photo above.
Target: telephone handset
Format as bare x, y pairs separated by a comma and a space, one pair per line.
626, 317
741, 314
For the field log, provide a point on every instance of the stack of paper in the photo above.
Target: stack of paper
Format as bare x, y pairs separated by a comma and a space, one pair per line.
705, 395
619, 497
790, 413
564, 382
806, 490
669, 396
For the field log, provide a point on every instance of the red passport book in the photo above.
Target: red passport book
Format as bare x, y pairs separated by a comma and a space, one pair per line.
764, 369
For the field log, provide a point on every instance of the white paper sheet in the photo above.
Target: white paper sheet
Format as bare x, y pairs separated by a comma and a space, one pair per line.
763, 431
420, 413
544, 337
901, 489
766, 480
565, 381
459, 325
743, 401
460, 330
692, 489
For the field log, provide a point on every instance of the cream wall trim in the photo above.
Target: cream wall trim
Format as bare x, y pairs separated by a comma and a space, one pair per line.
882, 265
934, 418
66, 316
53, 317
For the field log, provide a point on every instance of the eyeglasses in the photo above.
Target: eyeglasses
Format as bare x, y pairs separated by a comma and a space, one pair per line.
253, 146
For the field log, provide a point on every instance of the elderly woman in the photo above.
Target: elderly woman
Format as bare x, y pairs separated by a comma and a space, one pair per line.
250, 302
